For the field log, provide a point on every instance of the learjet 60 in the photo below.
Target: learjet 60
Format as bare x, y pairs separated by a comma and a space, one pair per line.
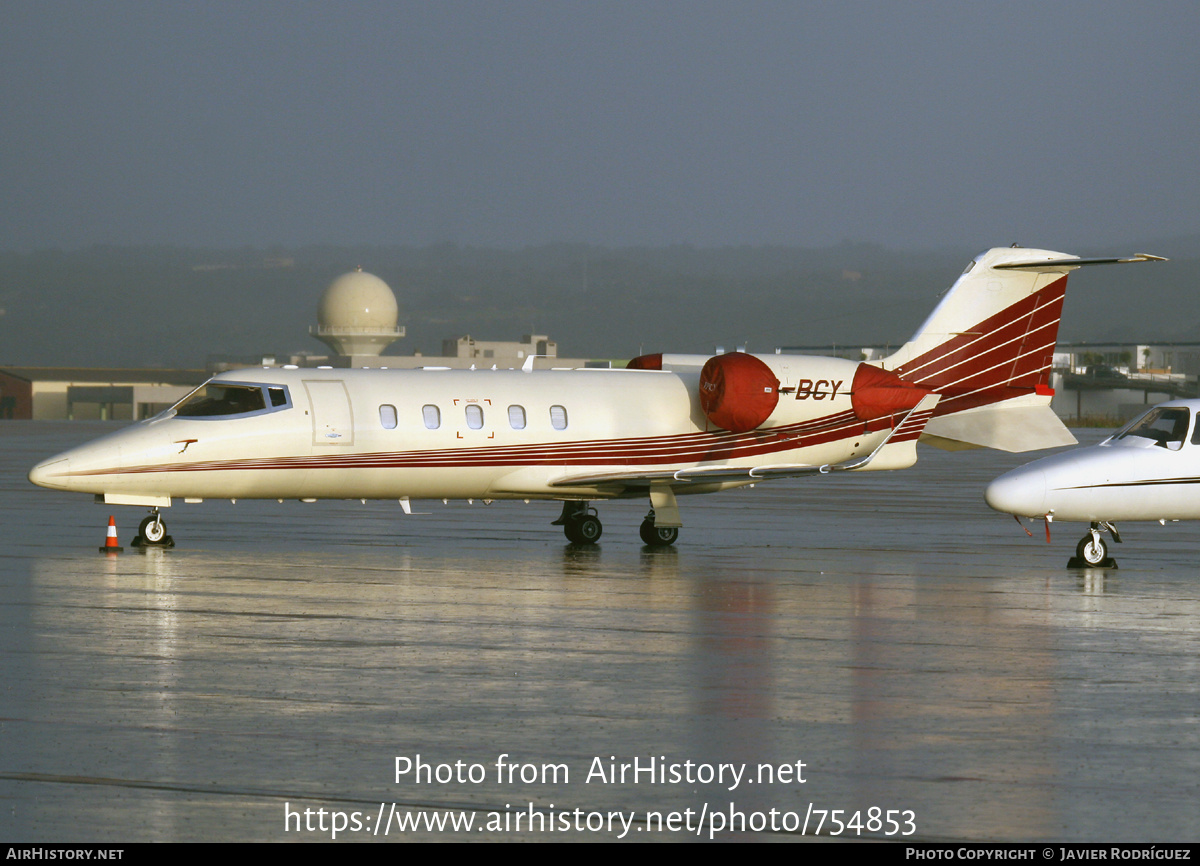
976, 374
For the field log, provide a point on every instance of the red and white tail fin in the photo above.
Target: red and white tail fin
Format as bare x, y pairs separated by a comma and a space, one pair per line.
987, 350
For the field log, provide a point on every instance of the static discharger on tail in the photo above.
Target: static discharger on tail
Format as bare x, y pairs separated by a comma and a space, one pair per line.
1147, 470
976, 374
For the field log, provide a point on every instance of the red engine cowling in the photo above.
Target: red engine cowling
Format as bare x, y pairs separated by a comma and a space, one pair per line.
738, 392
646, 362
876, 392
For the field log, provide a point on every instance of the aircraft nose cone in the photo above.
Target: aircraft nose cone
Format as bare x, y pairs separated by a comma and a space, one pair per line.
52, 473
1021, 492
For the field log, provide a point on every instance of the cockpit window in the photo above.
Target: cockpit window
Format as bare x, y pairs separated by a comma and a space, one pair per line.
1165, 426
218, 399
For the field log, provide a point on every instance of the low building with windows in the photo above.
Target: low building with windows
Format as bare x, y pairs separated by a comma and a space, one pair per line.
497, 352
358, 318
80, 394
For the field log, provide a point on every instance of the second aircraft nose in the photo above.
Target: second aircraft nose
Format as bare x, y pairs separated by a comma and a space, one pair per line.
1021, 492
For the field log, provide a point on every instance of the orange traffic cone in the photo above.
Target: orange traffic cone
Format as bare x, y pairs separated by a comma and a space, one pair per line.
110, 542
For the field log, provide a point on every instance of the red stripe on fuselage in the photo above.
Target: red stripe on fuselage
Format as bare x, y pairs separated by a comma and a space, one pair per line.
911, 427
668, 450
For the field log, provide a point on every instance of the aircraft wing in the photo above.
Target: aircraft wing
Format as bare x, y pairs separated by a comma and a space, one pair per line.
908, 429
701, 475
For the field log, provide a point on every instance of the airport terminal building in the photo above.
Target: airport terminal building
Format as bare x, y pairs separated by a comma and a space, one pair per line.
78, 394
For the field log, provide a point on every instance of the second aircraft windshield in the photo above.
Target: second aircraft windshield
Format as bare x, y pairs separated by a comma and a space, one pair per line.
1165, 426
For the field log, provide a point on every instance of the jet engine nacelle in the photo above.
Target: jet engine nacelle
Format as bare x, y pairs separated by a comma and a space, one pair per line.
738, 392
876, 393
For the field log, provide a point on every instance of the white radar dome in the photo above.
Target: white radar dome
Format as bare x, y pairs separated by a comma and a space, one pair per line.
358, 315
358, 300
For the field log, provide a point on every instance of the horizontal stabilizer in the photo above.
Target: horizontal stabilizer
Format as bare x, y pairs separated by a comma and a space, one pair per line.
1005, 428
1072, 262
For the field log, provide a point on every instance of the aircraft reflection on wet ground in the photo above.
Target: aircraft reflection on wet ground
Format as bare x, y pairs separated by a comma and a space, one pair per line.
912, 648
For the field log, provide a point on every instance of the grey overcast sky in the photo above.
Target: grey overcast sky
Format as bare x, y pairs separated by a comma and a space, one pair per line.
617, 123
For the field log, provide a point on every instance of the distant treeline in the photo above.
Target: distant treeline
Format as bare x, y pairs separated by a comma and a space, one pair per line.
138, 306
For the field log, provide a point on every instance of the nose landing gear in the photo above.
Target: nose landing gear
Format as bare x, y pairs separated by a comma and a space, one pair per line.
1092, 551
152, 532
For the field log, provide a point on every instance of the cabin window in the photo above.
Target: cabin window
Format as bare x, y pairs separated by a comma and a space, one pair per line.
387, 416
1165, 426
432, 415
474, 416
221, 400
516, 417
558, 417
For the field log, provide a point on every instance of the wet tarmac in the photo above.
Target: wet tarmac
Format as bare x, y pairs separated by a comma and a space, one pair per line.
939, 675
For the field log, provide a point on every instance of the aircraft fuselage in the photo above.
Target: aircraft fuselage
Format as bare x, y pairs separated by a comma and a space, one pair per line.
1149, 470
454, 434
976, 374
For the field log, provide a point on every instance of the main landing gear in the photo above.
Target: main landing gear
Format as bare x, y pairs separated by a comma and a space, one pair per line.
152, 532
1092, 551
581, 525
657, 536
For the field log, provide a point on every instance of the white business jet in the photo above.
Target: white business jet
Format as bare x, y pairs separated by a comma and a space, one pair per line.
1147, 470
974, 375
